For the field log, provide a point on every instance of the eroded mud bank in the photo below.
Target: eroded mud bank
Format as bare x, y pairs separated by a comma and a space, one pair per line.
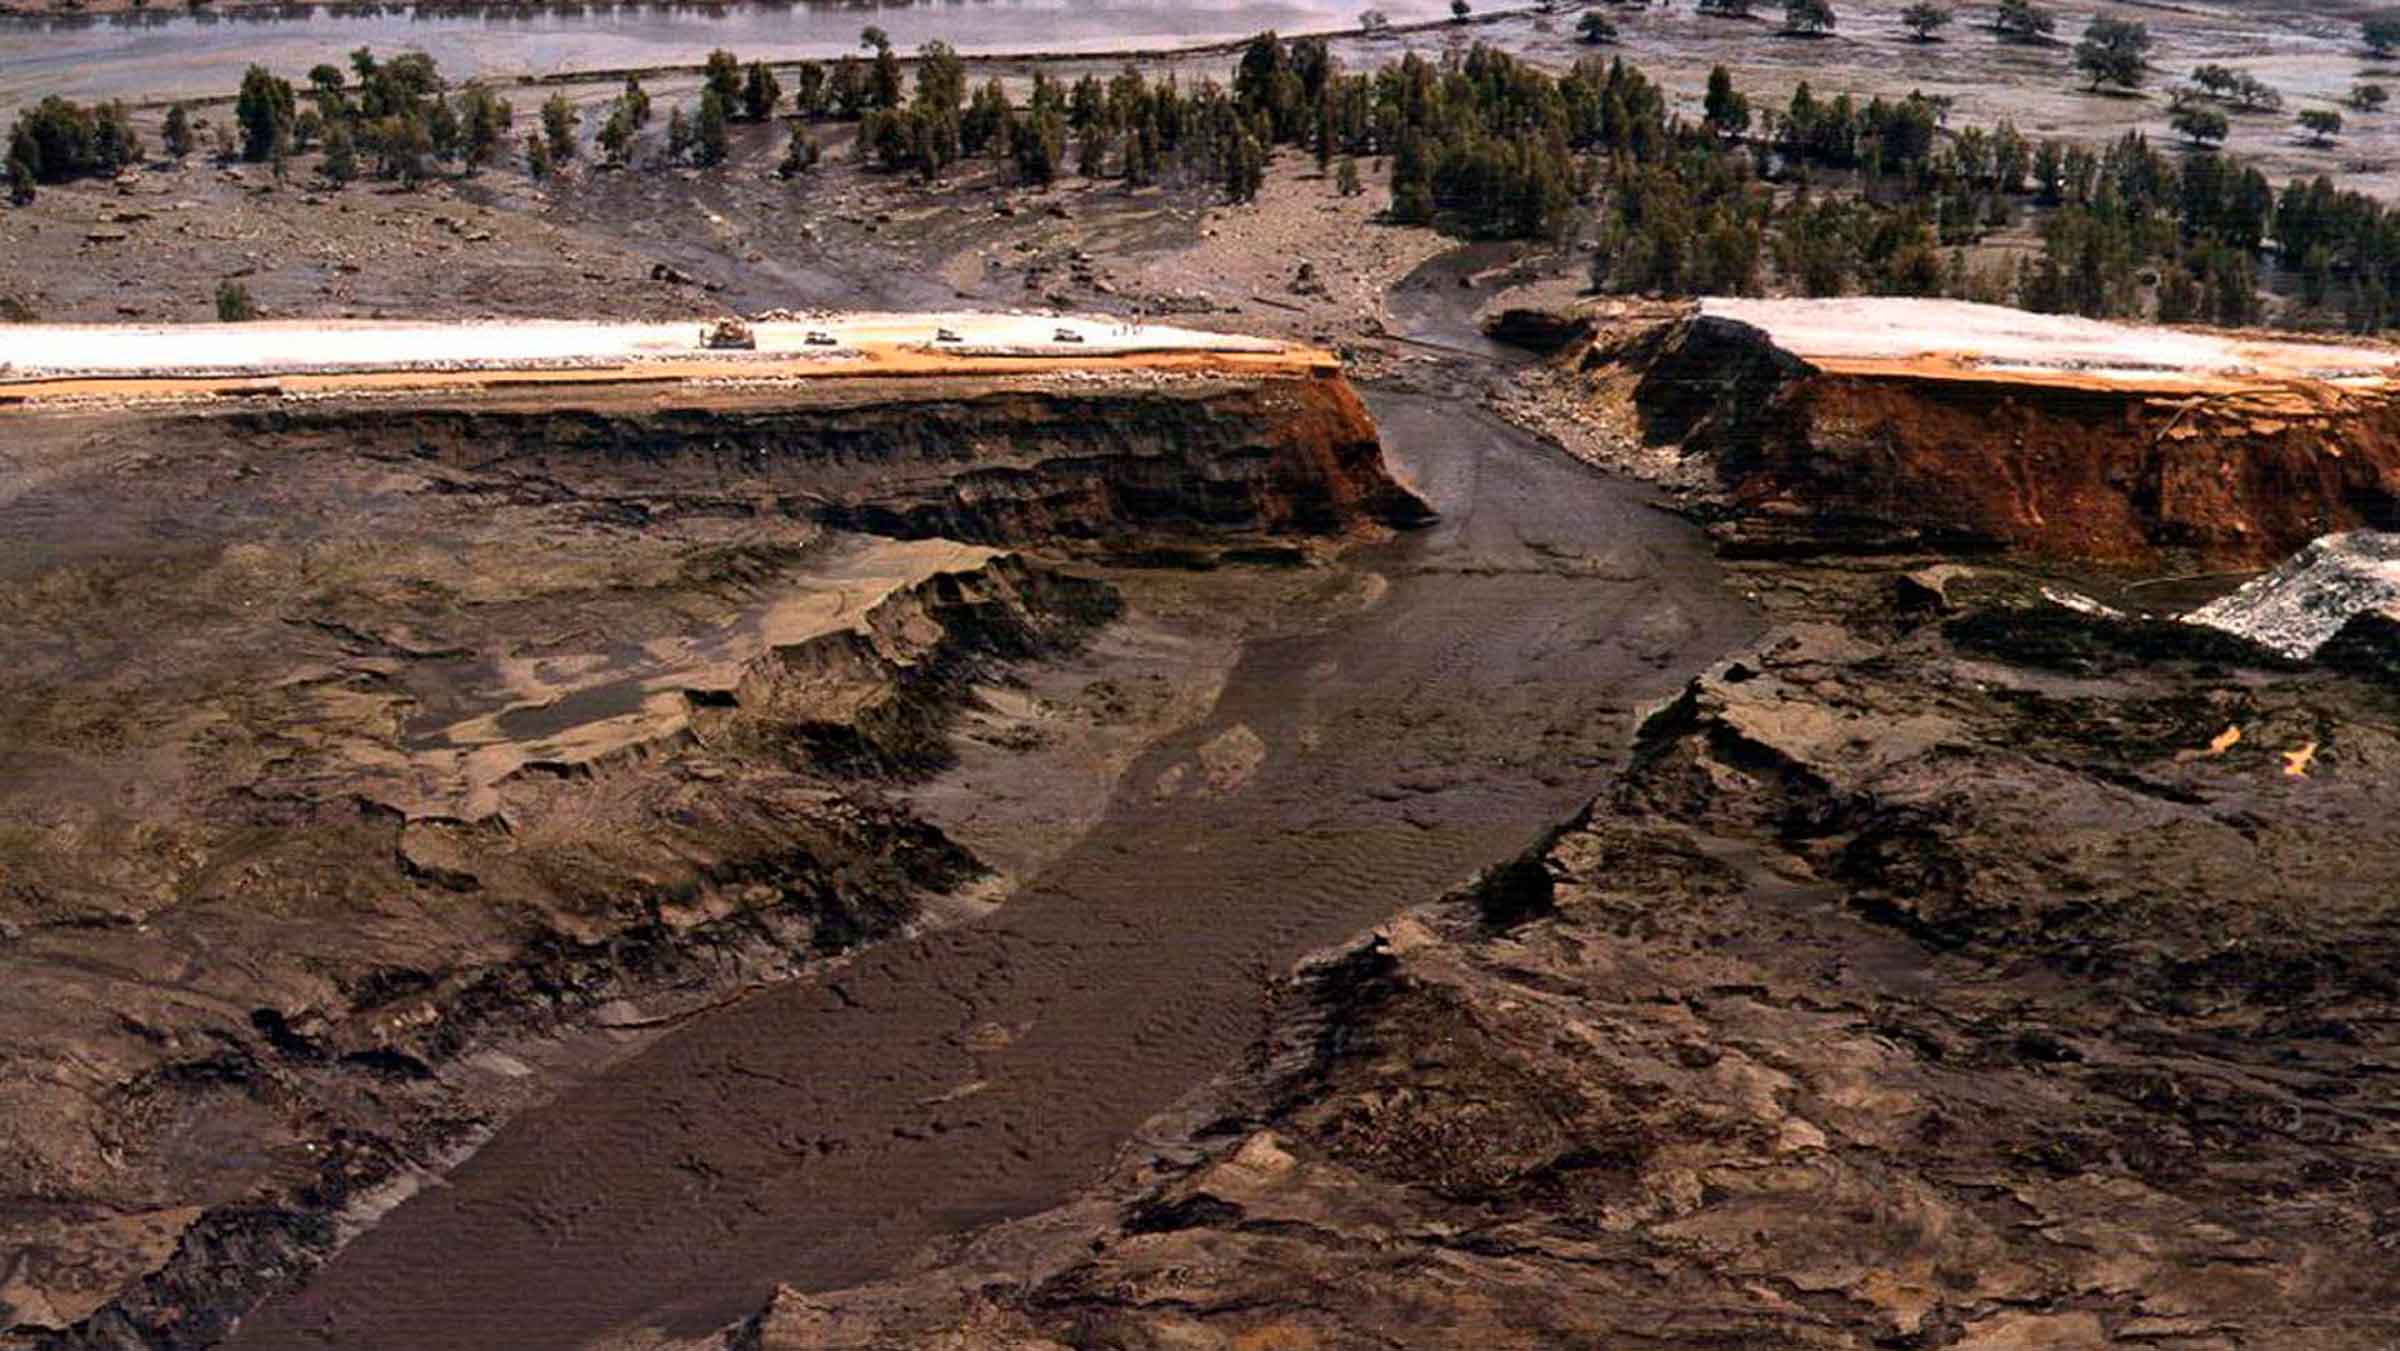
374, 770
1959, 972
1460, 693
2136, 448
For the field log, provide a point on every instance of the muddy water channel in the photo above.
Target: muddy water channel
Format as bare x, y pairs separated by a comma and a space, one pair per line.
818, 1134
150, 55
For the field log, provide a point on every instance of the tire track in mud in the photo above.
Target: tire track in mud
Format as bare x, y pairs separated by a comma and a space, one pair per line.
818, 1134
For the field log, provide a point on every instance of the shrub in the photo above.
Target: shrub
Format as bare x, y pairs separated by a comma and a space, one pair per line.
57, 140
1923, 18
2114, 51
2024, 20
2200, 125
234, 305
266, 109
558, 127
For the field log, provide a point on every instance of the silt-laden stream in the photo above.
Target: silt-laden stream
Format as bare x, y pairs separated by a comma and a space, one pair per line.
817, 1134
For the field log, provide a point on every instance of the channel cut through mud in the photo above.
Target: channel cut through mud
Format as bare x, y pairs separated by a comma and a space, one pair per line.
819, 1134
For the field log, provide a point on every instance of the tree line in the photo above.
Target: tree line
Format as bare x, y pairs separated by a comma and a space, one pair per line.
1738, 203
1819, 196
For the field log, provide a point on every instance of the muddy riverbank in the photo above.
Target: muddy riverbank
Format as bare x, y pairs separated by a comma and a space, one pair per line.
1469, 691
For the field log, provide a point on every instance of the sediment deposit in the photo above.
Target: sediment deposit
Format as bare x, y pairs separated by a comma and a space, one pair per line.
1949, 969
381, 756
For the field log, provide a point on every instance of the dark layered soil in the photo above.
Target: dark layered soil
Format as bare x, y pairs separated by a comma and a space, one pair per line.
1938, 974
373, 771
1801, 457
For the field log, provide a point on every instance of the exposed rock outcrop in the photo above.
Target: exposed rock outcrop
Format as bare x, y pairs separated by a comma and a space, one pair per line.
1538, 330
1113, 461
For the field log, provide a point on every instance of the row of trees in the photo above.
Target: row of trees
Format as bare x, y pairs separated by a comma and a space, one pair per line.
2123, 228
56, 140
1819, 195
395, 119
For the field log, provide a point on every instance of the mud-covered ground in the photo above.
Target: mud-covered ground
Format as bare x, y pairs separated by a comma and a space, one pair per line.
373, 770
1452, 694
1946, 969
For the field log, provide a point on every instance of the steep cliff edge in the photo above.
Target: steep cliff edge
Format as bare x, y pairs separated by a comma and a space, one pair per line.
371, 765
1886, 425
1111, 460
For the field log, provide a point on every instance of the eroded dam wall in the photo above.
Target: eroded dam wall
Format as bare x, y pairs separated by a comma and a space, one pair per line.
1908, 427
989, 461
364, 736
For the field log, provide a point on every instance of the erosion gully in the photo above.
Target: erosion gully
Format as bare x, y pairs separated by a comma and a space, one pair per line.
819, 1134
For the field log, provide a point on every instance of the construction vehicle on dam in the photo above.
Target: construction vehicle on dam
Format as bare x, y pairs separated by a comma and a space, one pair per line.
728, 334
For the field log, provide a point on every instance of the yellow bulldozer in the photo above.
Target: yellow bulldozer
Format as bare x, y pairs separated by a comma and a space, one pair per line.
728, 333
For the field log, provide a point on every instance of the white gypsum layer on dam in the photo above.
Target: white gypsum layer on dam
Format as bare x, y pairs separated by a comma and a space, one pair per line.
280, 347
2001, 340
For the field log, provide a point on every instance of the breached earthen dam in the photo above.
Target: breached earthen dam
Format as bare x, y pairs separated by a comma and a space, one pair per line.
535, 765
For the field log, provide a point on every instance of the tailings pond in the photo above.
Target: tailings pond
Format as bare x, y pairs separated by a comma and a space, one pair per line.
819, 1133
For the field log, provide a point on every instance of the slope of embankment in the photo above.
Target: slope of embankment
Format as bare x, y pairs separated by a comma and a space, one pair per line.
378, 755
1884, 425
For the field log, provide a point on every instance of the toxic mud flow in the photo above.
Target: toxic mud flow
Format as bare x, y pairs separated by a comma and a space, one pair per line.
819, 1134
